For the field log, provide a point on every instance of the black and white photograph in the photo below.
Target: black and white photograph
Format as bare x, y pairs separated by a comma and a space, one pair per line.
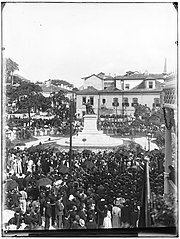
89, 119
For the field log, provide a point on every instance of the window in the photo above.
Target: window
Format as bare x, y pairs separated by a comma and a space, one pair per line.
156, 100
83, 100
150, 84
126, 86
125, 100
115, 102
91, 100
135, 100
103, 101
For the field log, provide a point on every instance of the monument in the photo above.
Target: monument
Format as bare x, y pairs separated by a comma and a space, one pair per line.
90, 138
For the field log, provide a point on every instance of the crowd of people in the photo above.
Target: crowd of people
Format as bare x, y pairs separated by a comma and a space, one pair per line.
20, 128
129, 127
53, 126
99, 190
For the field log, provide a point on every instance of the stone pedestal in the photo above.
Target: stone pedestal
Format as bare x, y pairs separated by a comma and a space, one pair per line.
91, 138
90, 124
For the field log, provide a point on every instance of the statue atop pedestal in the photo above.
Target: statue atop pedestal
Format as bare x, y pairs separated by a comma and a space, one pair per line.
89, 108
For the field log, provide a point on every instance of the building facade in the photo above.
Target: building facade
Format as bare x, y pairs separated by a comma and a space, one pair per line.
119, 94
171, 144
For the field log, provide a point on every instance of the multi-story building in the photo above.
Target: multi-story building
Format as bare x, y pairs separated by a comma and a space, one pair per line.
48, 88
170, 107
119, 94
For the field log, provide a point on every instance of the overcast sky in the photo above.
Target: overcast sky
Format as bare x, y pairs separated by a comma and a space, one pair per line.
70, 41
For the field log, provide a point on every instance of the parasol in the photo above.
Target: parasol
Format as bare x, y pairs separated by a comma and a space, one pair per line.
10, 184
44, 182
63, 169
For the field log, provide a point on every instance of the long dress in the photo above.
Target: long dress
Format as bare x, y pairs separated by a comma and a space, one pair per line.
107, 220
29, 166
19, 165
116, 217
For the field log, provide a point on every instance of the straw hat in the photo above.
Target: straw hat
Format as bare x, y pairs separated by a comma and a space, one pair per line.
81, 222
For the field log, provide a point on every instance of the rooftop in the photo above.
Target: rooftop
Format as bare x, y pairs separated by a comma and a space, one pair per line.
130, 75
110, 89
142, 86
51, 88
88, 90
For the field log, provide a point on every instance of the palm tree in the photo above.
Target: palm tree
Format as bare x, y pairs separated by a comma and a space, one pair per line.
10, 68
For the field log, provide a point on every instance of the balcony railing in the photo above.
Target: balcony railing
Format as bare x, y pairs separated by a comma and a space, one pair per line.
125, 104
156, 104
134, 104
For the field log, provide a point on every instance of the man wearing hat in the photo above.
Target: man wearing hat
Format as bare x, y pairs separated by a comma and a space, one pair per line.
27, 218
59, 207
47, 213
81, 224
100, 210
126, 214
36, 217
91, 224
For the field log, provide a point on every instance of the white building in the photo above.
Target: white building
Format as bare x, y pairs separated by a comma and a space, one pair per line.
119, 94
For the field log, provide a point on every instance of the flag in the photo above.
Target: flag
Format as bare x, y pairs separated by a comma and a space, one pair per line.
144, 216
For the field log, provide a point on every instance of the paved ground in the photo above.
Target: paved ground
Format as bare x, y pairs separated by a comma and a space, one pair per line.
44, 139
144, 143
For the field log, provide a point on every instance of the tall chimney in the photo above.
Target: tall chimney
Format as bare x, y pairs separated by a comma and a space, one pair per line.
165, 67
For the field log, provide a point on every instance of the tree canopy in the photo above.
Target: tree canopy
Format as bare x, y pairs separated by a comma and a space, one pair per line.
58, 82
142, 110
10, 68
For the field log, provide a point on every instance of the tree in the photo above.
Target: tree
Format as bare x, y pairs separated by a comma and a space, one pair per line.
142, 110
60, 105
27, 96
157, 116
57, 82
10, 68
75, 89
160, 138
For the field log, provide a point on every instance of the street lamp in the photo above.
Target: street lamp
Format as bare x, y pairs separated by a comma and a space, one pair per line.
84, 140
71, 109
149, 137
70, 141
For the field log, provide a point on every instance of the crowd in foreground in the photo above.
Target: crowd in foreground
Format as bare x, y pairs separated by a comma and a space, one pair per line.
99, 190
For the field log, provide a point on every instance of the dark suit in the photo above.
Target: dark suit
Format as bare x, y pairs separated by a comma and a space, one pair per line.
91, 225
126, 214
59, 207
47, 215
100, 210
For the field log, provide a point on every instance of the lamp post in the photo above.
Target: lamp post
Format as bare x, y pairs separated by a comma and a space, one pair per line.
149, 136
70, 141
71, 109
84, 140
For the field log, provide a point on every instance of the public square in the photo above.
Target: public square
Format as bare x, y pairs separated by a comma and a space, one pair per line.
89, 126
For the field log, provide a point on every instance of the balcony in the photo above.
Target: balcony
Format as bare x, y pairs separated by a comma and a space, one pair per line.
115, 104
125, 104
134, 104
156, 104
